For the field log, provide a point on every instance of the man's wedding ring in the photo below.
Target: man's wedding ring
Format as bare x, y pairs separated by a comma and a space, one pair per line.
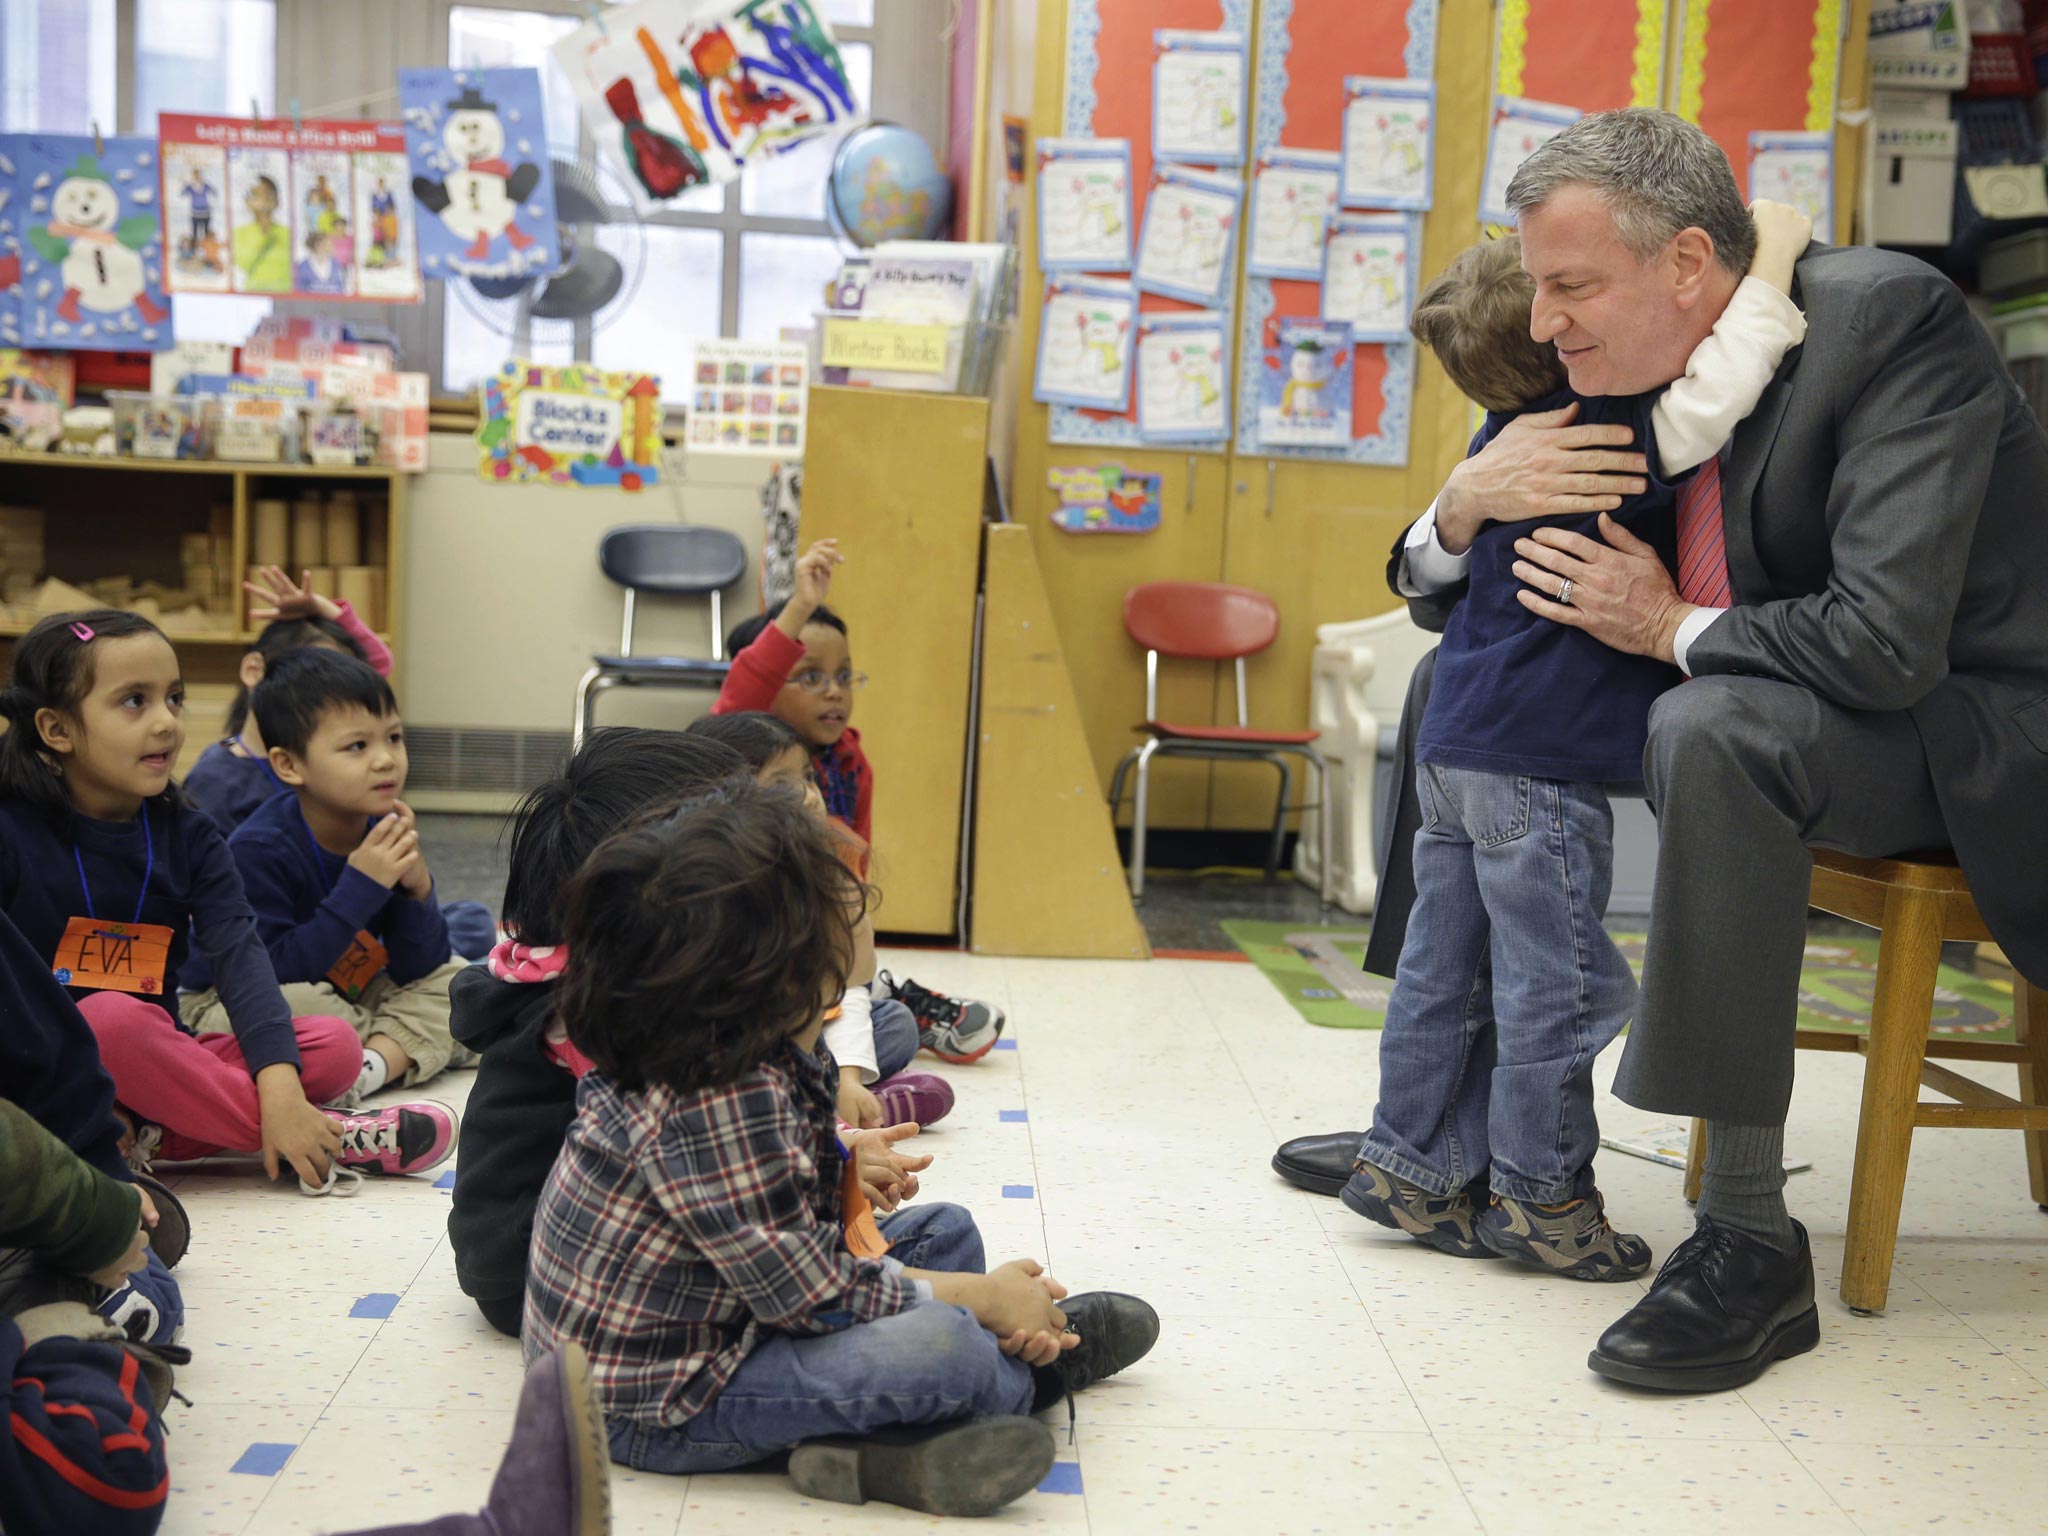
1564, 593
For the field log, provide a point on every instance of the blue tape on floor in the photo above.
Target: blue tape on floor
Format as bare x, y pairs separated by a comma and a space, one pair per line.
1065, 1477
1016, 1191
1006, 1045
267, 1459
376, 1304
1013, 1116
446, 1181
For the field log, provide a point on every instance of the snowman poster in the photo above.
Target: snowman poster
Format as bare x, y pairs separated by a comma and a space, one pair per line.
1305, 385
483, 189
81, 244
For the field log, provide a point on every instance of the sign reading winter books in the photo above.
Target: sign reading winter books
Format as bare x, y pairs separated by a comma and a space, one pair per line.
569, 426
81, 244
477, 143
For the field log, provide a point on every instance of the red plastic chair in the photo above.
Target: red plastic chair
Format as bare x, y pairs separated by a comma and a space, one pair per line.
1209, 621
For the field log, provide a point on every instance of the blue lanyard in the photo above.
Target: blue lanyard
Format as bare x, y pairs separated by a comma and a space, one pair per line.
321, 855
148, 868
262, 761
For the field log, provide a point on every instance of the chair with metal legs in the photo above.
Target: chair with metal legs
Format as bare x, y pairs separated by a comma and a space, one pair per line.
1210, 621
670, 560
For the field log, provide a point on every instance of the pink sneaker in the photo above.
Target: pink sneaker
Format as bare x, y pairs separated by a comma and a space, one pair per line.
402, 1138
921, 1096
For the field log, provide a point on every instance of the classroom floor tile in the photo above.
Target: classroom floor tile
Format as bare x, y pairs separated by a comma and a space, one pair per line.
1315, 1373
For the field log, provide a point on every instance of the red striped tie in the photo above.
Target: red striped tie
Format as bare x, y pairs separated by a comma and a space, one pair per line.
1702, 543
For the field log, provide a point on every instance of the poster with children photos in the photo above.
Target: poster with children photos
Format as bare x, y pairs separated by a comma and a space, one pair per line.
1084, 205
1084, 345
81, 244
482, 183
748, 397
1369, 274
1198, 96
1294, 196
1389, 143
1182, 378
1190, 226
1796, 168
1520, 128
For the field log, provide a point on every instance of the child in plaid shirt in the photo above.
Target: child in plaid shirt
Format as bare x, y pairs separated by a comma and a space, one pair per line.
702, 1235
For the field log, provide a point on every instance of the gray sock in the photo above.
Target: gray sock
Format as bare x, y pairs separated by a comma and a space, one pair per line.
1743, 1183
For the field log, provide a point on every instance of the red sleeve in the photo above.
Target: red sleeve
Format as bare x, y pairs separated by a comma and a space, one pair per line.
758, 673
375, 651
864, 796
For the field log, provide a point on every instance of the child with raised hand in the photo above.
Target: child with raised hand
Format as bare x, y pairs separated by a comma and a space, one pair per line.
700, 1235
795, 662
343, 896
873, 1040
525, 1091
114, 881
1482, 1143
233, 776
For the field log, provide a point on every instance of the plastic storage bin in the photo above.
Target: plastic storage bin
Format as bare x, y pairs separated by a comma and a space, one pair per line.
150, 426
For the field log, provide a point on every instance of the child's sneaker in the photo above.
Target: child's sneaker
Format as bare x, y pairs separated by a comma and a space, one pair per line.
401, 1138
923, 1097
969, 1469
1443, 1222
1572, 1241
958, 1030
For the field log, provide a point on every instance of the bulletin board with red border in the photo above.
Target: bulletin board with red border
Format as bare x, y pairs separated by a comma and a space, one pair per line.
1752, 66
1109, 96
1591, 55
1305, 50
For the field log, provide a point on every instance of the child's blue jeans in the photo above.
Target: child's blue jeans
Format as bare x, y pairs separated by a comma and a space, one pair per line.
1508, 987
924, 1366
895, 1037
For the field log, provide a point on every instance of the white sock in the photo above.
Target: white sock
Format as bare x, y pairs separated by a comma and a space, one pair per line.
375, 1073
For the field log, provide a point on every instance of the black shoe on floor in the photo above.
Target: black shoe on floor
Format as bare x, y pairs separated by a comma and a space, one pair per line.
1117, 1331
1318, 1164
1721, 1310
970, 1468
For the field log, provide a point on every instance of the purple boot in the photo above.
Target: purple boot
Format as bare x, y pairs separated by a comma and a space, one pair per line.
555, 1479
923, 1097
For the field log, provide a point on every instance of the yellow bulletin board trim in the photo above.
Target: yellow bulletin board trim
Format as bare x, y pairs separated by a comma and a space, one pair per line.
1511, 58
1646, 88
881, 344
1646, 74
1692, 61
1826, 65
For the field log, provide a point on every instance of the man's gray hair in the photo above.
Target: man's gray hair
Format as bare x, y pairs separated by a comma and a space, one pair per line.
1657, 174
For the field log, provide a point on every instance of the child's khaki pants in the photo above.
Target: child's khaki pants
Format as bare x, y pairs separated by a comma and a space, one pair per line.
416, 1016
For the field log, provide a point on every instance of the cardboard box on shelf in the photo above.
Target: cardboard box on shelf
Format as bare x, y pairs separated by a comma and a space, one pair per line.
309, 533
1913, 169
358, 586
342, 530
270, 533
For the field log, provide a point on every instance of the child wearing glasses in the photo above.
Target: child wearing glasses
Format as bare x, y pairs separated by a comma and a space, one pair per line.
795, 661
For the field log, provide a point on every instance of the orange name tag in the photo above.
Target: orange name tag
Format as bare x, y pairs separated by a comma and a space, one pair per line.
864, 1239
113, 957
362, 963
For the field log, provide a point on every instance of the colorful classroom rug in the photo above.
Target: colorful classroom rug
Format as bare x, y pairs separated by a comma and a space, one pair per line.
1317, 970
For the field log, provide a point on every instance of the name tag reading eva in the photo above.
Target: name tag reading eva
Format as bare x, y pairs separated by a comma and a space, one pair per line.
113, 957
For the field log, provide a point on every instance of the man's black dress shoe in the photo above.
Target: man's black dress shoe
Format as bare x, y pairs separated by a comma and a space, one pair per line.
1723, 1307
1318, 1164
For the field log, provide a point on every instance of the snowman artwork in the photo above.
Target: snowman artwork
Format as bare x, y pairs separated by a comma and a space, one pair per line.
481, 201
98, 254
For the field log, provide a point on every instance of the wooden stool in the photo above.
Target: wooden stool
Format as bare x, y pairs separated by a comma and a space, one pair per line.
1915, 904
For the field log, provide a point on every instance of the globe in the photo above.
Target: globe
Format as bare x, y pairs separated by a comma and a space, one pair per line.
886, 184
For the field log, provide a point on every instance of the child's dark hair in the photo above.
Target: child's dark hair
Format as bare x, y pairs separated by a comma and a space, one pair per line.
705, 938
53, 669
622, 773
309, 683
758, 738
747, 631
1475, 318
280, 637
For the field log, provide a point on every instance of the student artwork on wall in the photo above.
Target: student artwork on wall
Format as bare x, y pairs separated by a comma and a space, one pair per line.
1369, 274
1294, 195
1084, 205
682, 93
476, 140
1190, 228
1796, 168
1104, 498
1305, 383
81, 244
1389, 149
1520, 128
748, 397
1183, 378
1198, 96
1084, 344
574, 425
267, 205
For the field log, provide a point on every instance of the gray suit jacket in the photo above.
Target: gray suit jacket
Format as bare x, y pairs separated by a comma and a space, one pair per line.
1887, 522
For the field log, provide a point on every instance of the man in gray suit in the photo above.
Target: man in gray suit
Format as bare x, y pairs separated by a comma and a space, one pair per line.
1867, 643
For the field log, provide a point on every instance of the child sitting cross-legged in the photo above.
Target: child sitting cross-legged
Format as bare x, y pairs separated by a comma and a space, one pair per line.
795, 661
343, 897
700, 1235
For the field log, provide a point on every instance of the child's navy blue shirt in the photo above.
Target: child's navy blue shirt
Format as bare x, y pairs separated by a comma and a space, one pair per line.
231, 789
1516, 693
49, 1061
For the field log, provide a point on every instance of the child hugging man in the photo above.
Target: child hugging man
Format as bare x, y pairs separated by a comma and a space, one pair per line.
343, 896
1508, 986
795, 661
